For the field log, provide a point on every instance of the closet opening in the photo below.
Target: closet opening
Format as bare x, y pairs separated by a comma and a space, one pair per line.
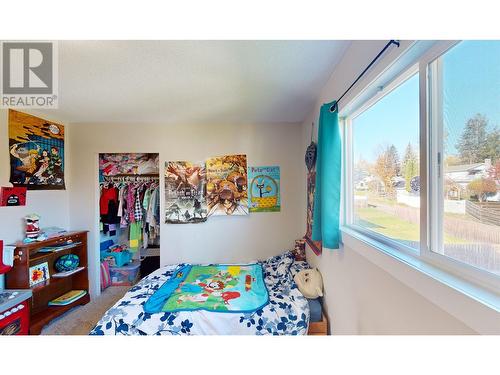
129, 217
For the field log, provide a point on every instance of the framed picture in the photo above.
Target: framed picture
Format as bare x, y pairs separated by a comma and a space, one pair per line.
39, 273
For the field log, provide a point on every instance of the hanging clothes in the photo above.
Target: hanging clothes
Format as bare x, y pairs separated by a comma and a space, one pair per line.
135, 236
135, 206
131, 203
123, 207
138, 205
108, 205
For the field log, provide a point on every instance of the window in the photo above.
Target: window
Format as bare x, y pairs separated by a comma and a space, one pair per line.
385, 150
422, 157
465, 118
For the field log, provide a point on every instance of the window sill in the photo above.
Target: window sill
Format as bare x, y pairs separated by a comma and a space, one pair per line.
477, 307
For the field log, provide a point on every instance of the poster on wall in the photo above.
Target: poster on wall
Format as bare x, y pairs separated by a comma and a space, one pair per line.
227, 185
264, 189
36, 148
13, 196
112, 164
185, 184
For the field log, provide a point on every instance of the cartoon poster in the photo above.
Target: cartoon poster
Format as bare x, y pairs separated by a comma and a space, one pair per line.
227, 185
13, 196
185, 184
264, 189
36, 149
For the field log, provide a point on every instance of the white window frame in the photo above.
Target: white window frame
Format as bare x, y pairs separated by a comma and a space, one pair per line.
349, 219
431, 145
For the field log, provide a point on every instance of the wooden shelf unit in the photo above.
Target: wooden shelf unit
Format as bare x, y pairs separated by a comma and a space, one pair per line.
27, 255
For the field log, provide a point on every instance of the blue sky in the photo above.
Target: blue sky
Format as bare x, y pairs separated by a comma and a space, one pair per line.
471, 84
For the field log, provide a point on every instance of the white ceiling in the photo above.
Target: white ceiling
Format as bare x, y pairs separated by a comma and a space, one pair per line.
192, 81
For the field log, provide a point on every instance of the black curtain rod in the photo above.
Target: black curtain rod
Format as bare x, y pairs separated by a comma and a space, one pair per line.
335, 106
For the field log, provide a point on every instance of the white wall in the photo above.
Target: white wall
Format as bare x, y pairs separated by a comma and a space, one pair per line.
52, 205
360, 297
220, 239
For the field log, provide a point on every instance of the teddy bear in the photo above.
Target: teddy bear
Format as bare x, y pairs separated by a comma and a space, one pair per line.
310, 283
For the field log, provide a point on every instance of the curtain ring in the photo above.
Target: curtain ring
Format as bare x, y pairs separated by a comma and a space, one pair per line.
334, 107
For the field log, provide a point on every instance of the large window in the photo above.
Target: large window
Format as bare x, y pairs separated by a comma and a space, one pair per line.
423, 157
385, 150
465, 112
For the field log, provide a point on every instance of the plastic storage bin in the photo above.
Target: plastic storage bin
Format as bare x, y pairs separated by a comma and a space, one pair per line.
114, 258
120, 258
126, 275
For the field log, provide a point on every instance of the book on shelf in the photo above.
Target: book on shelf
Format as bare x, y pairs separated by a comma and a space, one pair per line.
67, 273
68, 298
39, 273
55, 248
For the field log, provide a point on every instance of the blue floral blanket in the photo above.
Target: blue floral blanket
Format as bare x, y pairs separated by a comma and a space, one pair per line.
287, 312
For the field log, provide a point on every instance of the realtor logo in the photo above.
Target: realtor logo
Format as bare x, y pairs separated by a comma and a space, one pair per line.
29, 75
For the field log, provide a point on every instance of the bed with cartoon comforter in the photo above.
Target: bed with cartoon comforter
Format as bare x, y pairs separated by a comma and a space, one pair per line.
286, 313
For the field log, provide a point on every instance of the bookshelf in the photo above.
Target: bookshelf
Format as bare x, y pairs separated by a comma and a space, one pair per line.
28, 255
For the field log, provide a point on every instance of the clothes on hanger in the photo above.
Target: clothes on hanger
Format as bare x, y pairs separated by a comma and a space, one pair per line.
134, 205
108, 205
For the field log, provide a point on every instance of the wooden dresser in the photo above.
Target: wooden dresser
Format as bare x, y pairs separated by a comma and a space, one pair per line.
28, 255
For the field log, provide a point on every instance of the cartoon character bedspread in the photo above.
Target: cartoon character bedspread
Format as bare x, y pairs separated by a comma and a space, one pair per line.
224, 288
286, 313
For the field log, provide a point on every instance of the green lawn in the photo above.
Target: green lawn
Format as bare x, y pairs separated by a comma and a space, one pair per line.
392, 226
387, 224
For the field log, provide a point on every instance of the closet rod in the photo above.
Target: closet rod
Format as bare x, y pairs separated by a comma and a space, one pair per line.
335, 106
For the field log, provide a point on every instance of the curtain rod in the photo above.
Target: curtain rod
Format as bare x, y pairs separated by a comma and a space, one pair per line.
335, 106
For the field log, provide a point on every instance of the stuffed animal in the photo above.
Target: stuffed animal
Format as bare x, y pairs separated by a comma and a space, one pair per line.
310, 283
32, 226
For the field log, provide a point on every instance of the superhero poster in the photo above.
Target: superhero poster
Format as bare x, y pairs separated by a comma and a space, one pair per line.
36, 149
264, 189
185, 184
227, 185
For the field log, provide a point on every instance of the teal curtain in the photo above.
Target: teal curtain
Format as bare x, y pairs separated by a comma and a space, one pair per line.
328, 172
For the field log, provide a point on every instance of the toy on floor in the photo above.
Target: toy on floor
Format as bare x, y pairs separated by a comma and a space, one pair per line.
310, 283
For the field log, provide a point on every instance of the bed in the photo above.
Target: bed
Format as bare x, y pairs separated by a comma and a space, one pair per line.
286, 313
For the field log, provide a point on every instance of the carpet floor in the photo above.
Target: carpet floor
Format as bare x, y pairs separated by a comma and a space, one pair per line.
80, 320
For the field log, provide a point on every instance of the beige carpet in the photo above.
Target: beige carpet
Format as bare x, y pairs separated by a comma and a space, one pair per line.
81, 319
